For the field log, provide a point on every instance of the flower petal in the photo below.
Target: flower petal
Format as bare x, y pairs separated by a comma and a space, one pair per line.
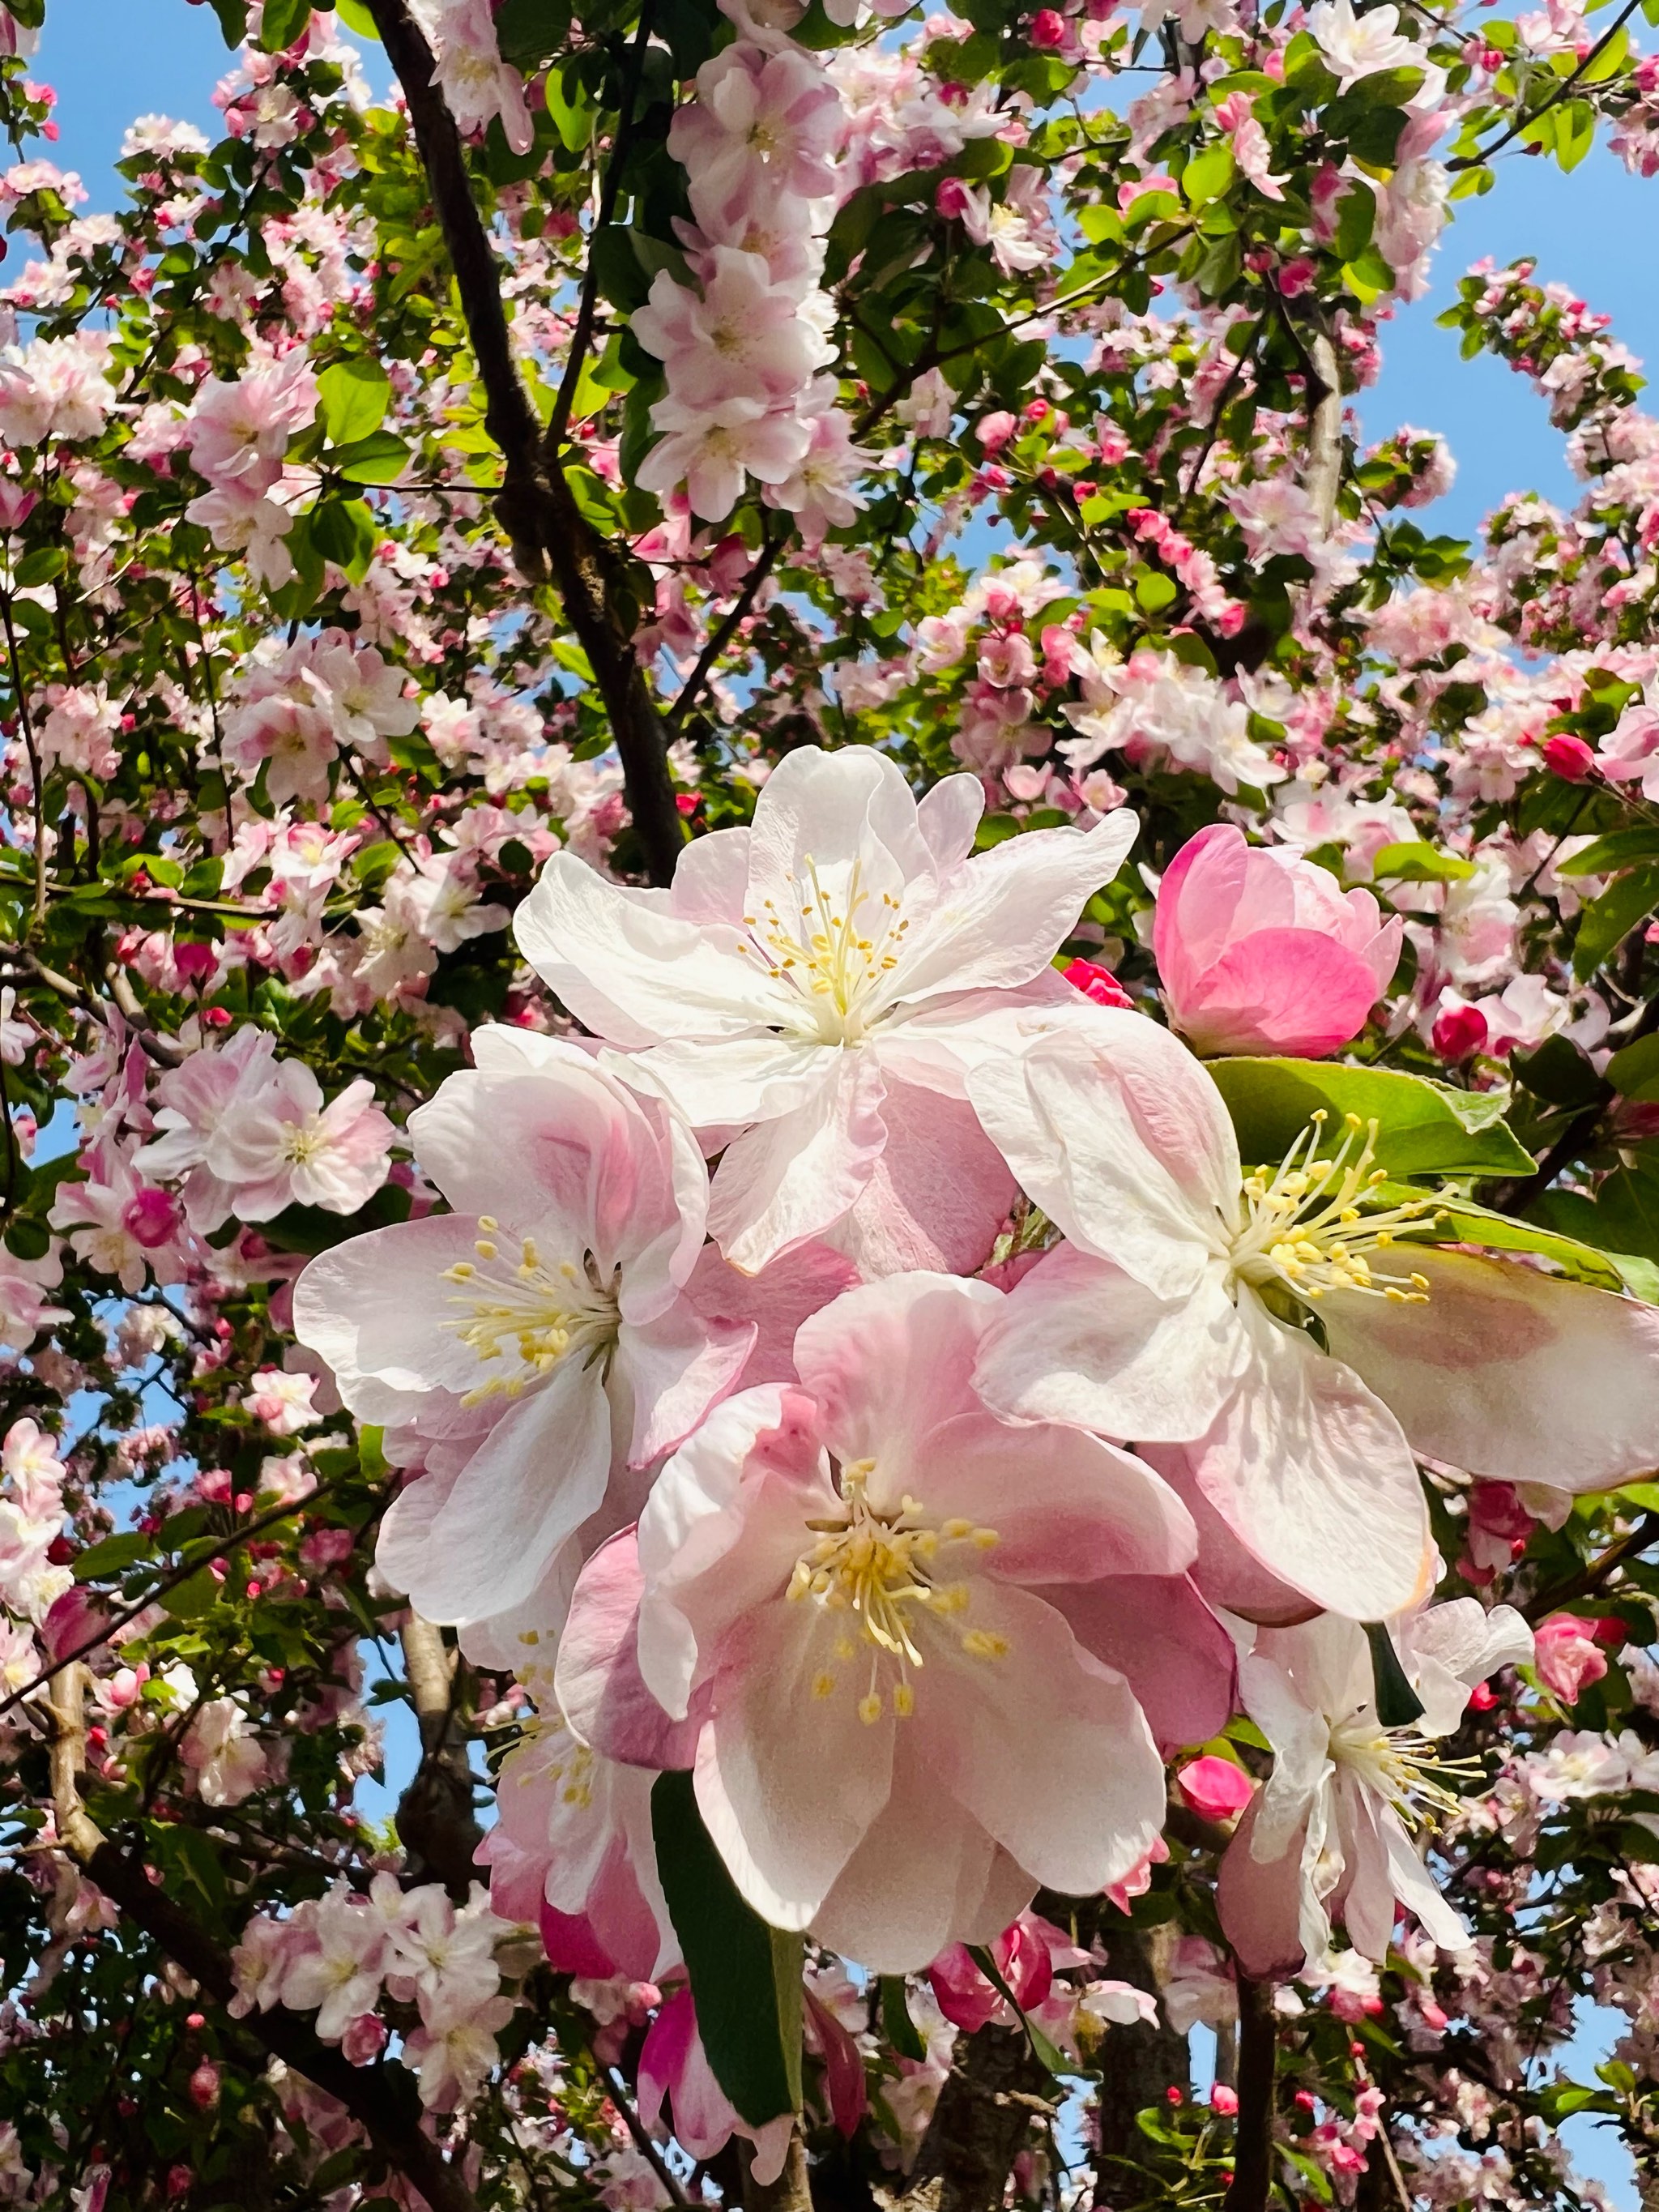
1158, 1632
1313, 1475
1079, 1341
792, 1179
1510, 1372
536, 1476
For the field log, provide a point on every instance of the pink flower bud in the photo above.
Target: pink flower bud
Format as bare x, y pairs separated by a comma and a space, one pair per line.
1215, 1788
950, 200
1567, 1659
1224, 2100
1569, 758
995, 430
1097, 983
205, 2086
15, 504
1459, 1032
1048, 29
364, 2040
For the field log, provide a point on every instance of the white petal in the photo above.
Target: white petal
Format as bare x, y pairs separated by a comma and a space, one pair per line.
1003, 916
1079, 1341
789, 1180
1508, 1372
631, 972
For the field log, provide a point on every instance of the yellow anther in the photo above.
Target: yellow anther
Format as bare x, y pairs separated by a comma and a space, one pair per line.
984, 1643
824, 1686
870, 1708
905, 1701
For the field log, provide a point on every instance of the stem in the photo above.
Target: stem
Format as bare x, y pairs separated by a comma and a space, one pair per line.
1525, 122
727, 630
39, 780
1258, 2053
583, 334
435, 1814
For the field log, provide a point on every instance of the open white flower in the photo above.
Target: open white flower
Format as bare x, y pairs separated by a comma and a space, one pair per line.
1331, 1832
1181, 1312
817, 986
545, 1317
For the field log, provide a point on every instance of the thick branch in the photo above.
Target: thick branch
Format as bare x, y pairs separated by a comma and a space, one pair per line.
1258, 2053
435, 1814
1324, 477
984, 2113
536, 506
791, 2192
381, 2099
1594, 1574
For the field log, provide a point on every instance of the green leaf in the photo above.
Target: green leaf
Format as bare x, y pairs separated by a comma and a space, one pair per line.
343, 531
356, 19
574, 114
1208, 175
1607, 921
1397, 1704
111, 1556
1461, 1221
1603, 855
379, 459
896, 2025
1634, 1073
282, 23
355, 396
528, 31
1412, 861
197, 1593
40, 566
1559, 1073
1423, 1128
745, 1975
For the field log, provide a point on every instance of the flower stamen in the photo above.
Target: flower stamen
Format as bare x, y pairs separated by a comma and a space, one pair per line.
1306, 1232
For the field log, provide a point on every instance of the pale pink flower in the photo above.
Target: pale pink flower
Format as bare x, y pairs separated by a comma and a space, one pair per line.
192, 1099
743, 337
1169, 1316
1329, 1834
542, 1321
454, 2050
283, 1147
710, 450
334, 1960
240, 428
762, 122
881, 1604
222, 1751
58, 391
817, 986
282, 1401
1260, 952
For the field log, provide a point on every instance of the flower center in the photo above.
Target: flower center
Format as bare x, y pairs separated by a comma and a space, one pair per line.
827, 952
1402, 1767
881, 1569
1304, 1232
528, 1316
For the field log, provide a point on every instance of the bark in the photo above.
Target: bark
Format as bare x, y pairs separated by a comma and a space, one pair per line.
1324, 477
1258, 2058
992, 2098
790, 2192
535, 508
435, 1819
1140, 2062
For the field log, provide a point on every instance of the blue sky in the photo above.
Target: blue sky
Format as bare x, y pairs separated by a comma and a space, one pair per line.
1594, 230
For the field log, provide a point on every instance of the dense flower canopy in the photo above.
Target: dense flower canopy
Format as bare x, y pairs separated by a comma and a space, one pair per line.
828, 1124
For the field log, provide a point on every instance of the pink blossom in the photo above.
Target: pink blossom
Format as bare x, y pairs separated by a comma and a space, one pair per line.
1259, 952
283, 1147
761, 121
1215, 1786
674, 2069
1567, 1655
957, 1714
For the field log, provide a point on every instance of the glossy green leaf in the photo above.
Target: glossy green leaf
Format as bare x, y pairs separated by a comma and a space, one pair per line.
1424, 1129
354, 397
1609, 921
1412, 862
745, 1975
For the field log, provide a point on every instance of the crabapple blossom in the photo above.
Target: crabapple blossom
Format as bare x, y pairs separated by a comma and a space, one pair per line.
873, 1661
1175, 1315
544, 1318
1260, 952
1330, 1833
817, 987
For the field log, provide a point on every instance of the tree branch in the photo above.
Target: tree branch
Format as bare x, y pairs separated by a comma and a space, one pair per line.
983, 2115
382, 2099
435, 1814
535, 506
1592, 1575
1258, 2054
791, 2192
